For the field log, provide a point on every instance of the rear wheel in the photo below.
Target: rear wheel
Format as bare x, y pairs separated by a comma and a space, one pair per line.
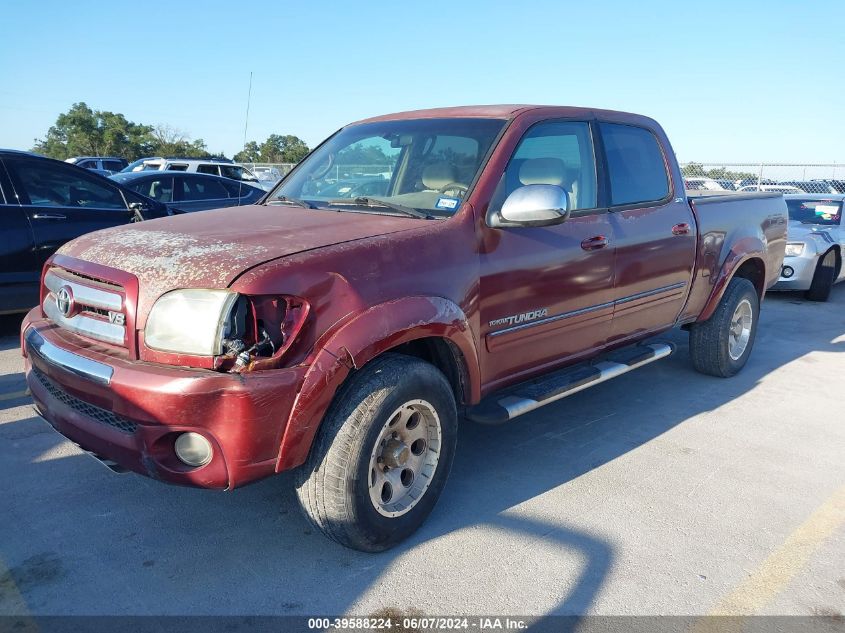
721, 345
823, 278
382, 455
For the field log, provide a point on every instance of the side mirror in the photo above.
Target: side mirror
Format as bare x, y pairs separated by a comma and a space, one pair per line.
534, 205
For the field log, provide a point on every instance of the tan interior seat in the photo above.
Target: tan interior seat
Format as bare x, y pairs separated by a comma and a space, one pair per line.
437, 175
550, 171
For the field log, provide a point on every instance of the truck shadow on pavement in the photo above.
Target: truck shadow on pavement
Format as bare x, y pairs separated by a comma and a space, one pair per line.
131, 545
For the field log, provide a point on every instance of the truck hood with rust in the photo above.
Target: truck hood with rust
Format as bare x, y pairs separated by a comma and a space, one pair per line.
209, 249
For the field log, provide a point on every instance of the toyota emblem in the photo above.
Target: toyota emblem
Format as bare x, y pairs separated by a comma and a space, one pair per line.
64, 301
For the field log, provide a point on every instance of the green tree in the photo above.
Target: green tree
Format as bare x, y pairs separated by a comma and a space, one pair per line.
278, 148
360, 154
82, 131
249, 154
167, 141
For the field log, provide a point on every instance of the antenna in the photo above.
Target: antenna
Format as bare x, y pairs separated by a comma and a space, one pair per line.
246, 125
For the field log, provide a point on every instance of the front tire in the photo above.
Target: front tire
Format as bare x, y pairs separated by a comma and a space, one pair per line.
721, 345
823, 278
382, 455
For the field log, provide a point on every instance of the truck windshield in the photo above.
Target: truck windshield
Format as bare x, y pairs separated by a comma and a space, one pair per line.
422, 164
825, 212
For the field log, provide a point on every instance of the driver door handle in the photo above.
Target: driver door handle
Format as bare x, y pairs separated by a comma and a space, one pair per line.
594, 243
48, 216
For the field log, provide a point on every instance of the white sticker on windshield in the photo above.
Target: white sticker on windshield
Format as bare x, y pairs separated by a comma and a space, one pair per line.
447, 203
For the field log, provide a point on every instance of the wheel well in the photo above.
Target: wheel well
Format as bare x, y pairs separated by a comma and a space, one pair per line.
444, 355
754, 270
838, 260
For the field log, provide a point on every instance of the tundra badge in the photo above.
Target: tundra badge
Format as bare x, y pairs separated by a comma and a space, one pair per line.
515, 319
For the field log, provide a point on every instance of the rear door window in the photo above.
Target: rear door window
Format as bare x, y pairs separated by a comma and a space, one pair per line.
202, 189
49, 184
112, 165
237, 189
208, 169
160, 189
635, 164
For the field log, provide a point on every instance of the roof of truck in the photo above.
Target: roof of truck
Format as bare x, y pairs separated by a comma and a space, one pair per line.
501, 111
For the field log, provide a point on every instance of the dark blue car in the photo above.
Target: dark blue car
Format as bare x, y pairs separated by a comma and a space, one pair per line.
184, 192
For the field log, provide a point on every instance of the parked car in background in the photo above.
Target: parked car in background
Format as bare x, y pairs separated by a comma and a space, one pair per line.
103, 165
838, 185
770, 188
343, 338
815, 241
744, 182
356, 187
267, 176
701, 183
811, 186
46, 203
267, 173
214, 166
185, 192
727, 185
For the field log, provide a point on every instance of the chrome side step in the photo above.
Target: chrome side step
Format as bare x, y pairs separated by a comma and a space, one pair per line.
515, 401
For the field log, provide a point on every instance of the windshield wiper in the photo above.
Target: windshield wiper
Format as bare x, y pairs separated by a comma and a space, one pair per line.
294, 201
375, 203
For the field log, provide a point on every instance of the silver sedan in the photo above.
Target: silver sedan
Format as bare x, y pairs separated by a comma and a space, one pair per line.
816, 237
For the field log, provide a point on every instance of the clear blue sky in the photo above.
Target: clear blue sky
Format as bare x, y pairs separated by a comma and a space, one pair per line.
732, 81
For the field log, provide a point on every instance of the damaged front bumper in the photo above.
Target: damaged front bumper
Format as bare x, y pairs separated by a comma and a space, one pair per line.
129, 413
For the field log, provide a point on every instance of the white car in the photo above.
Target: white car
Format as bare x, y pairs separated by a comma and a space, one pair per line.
815, 239
771, 188
213, 166
701, 183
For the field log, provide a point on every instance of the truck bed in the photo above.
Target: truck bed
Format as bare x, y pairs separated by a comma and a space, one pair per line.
755, 222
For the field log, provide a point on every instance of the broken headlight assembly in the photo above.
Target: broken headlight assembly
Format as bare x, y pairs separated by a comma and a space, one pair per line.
241, 333
191, 321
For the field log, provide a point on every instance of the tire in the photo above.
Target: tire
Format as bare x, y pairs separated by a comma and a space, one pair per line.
713, 348
823, 278
341, 492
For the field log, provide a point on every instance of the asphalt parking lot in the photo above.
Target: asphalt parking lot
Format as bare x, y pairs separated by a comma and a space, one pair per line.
660, 492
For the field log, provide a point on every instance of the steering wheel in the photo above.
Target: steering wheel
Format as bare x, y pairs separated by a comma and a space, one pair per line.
454, 186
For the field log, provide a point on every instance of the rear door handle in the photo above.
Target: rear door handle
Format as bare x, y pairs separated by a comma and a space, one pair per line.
680, 229
594, 243
49, 216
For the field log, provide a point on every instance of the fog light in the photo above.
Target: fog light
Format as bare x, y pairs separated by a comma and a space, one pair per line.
787, 272
193, 449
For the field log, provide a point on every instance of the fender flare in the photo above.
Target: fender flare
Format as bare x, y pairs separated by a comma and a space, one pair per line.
741, 251
373, 332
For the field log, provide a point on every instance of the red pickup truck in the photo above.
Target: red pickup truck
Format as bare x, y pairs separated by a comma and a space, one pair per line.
415, 269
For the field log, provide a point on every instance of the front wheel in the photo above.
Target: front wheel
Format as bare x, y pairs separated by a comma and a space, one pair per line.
721, 345
382, 454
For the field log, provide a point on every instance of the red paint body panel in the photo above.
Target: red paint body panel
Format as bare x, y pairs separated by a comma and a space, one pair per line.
374, 282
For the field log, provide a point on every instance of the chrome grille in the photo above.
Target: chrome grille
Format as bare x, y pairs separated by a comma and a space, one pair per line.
89, 410
93, 303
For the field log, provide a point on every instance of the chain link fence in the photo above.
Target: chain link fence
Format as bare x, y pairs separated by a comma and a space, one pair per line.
777, 177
